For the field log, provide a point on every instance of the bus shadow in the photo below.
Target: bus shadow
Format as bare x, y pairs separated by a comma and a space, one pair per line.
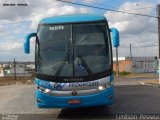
85, 113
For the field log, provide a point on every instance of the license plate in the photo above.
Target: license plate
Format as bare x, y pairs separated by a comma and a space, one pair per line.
74, 101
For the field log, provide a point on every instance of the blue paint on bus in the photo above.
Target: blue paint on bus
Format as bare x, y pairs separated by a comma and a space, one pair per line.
74, 61
72, 18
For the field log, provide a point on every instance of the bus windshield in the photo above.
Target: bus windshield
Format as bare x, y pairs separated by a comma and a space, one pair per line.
70, 50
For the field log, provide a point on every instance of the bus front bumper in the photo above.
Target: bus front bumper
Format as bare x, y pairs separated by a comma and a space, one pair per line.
105, 97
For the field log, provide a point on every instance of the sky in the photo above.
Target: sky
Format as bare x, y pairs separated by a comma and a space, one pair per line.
139, 31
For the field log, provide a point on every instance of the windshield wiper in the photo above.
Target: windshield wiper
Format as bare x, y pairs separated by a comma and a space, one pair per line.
85, 65
61, 65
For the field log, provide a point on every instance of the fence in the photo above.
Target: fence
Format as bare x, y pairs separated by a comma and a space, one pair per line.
18, 75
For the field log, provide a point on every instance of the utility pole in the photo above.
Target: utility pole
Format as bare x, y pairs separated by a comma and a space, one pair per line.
14, 65
131, 51
158, 9
117, 65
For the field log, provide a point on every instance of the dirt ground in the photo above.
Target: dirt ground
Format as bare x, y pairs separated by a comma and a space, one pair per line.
30, 80
140, 75
19, 80
153, 82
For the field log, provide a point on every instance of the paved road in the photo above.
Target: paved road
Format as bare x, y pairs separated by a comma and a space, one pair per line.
133, 81
135, 99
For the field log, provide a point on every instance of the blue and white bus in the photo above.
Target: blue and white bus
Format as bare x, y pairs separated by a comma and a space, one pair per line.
73, 57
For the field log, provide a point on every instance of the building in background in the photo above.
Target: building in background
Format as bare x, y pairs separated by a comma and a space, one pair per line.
137, 64
1, 71
22, 69
126, 64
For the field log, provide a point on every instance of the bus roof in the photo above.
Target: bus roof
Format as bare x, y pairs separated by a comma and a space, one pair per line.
72, 18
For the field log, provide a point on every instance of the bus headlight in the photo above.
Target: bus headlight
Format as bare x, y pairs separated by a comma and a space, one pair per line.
44, 90
102, 87
47, 91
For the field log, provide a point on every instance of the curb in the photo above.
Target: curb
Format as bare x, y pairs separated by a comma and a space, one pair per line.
150, 84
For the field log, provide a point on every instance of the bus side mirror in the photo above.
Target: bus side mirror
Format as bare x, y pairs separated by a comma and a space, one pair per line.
115, 37
27, 42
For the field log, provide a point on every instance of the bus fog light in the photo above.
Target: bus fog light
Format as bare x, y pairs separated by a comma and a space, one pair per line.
39, 100
110, 96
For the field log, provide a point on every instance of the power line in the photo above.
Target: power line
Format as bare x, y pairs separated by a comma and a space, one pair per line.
145, 46
144, 42
147, 8
144, 15
101, 4
140, 46
24, 22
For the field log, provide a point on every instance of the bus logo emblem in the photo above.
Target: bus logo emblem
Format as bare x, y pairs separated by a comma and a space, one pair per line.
59, 86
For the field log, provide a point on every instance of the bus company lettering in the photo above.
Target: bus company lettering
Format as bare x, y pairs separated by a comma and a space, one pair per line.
76, 80
83, 84
58, 27
44, 83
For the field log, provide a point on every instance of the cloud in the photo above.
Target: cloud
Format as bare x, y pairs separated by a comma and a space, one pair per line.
3, 31
131, 24
13, 48
13, 12
12, 35
36, 10
8, 46
135, 30
54, 11
88, 1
